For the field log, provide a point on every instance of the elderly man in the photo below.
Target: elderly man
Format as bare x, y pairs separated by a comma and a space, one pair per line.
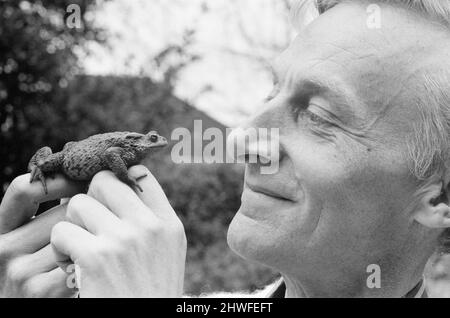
361, 193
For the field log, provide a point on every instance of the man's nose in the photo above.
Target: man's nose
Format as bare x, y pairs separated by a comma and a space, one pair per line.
245, 142
269, 124
253, 145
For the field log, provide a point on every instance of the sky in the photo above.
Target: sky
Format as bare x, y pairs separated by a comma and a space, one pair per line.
236, 40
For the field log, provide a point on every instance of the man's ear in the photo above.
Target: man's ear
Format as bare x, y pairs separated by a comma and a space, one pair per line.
434, 210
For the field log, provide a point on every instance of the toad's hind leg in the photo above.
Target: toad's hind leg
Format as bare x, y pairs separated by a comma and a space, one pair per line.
44, 161
115, 162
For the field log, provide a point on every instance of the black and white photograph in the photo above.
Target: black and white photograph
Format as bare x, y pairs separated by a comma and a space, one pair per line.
224, 154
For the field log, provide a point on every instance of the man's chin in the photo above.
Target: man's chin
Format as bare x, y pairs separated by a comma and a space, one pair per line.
249, 238
265, 233
239, 240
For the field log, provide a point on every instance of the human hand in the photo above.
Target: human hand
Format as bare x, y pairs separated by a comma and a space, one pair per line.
27, 265
123, 243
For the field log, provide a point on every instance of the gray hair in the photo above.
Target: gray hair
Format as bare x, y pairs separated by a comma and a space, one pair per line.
437, 9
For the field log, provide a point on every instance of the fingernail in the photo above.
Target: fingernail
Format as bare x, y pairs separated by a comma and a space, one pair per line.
142, 177
139, 171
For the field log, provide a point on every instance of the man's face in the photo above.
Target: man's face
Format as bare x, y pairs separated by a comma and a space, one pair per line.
344, 104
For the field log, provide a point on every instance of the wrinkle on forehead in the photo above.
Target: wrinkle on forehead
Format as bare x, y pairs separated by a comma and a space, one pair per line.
379, 67
407, 87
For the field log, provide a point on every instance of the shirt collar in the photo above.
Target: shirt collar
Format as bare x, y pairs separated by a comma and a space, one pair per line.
418, 291
279, 290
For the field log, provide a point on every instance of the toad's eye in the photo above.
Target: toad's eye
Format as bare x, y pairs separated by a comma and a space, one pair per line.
154, 138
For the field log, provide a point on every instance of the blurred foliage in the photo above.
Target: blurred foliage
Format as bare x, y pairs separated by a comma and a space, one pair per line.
37, 58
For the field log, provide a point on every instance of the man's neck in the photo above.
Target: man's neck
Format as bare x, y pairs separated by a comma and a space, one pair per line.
407, 287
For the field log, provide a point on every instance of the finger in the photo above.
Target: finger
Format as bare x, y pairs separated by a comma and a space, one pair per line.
116, 196
37, 263
34, 235
53, 284
91, 215
153, 195
22, 199
70, 243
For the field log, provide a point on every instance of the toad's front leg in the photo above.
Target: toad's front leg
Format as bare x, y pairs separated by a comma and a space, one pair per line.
114, 160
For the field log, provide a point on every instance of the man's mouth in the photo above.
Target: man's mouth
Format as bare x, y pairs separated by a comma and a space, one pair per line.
266, 191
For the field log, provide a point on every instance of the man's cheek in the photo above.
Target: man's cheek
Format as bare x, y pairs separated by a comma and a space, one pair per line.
319, 162
370, 201
379, 183
333, 184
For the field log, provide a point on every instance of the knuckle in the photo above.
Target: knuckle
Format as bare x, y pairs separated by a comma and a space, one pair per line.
97, 185
127, 237
33, 290
99, 179
178, 227
104, 254
17, 273
124, 239
57, 231
4, 251
152, 227
100, 253
77, 200
75, 205
90, 260
178, 233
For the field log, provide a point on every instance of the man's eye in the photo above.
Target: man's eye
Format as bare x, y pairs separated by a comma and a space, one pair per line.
315, 118
309, 117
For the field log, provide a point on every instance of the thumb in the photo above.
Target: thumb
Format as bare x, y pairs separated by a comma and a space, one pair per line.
152, 195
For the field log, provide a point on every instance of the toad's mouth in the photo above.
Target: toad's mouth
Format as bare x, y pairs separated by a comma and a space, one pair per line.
158, 145
162, 142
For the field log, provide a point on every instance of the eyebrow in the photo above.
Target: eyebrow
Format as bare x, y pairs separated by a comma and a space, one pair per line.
319, 84
341, 97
